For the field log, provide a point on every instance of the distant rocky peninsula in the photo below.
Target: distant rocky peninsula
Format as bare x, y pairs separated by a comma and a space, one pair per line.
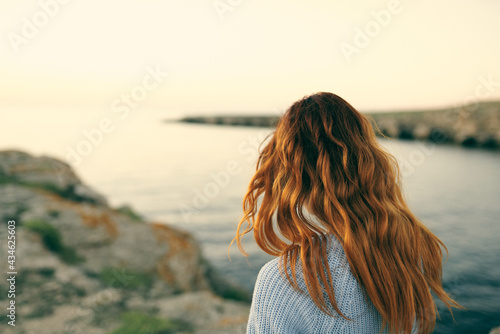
472, 125
82, 266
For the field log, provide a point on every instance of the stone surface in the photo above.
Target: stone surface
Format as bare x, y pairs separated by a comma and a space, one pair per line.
118, 262
37, 169
209, 313
48, 173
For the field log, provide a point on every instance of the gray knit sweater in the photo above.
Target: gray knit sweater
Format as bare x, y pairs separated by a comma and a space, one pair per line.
278, 308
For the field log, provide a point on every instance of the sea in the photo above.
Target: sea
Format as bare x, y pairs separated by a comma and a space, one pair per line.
194, 177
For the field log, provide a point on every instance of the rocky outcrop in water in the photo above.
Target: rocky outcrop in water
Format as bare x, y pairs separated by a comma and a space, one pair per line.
469, 126
475, 125
84, 267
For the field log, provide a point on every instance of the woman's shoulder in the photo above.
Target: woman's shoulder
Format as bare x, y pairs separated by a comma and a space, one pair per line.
349, 293
276, 306
276, 297
270, 276
271, 267
272, 273
335, 255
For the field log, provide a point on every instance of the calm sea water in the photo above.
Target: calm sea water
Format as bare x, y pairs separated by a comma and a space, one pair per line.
194, 177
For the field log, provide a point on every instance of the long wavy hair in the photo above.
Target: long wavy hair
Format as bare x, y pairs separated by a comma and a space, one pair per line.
324, 156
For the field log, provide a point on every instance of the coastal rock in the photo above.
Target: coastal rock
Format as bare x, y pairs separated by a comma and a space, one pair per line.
37, 170
107, 239
84, 191
82, 265
48, 173
421, 132
208, 312
389, 127
203, 310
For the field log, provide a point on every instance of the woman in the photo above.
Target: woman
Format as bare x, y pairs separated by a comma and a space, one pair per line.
351, 256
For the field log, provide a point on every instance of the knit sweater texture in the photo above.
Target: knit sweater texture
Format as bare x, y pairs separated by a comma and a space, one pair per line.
277, 308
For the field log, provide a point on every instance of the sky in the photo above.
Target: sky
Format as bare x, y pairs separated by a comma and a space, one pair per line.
246, 56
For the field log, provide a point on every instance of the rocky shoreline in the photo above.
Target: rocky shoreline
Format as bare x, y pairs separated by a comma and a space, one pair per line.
473, 125
85, 267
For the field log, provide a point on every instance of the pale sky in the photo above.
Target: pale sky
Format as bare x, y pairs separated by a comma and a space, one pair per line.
257, 56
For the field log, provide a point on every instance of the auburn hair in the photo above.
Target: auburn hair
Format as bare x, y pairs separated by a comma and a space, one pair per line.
324, 156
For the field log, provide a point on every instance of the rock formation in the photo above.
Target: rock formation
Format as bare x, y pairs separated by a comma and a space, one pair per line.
84, 267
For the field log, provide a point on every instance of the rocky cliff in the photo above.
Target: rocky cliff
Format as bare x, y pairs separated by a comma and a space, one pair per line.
84, 267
